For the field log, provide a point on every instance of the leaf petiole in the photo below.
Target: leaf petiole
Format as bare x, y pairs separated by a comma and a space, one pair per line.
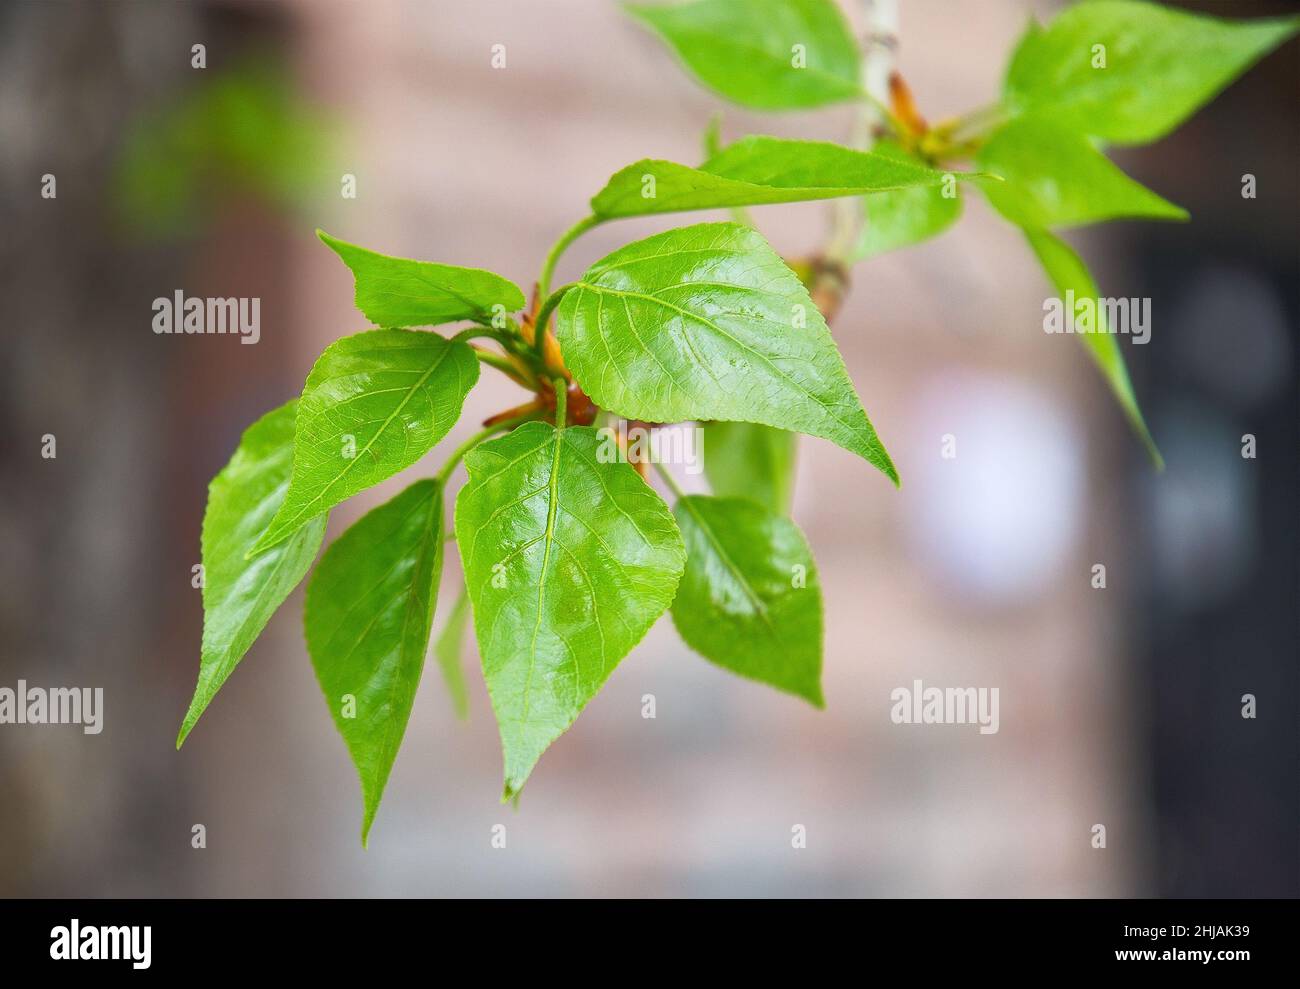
507, 367
671, 481
483, 332
543, 318
458, 454
976, 125
561, 401
567, 238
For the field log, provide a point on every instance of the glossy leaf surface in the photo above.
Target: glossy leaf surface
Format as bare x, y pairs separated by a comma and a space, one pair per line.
756, 171
568, 561
1057, 178
373, 405
707, 322
906, 216
367, 618
395, 292
239, 594
764, 54
750, 600
1160, 65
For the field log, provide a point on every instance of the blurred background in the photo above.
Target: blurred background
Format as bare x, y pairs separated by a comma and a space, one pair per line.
1119, 707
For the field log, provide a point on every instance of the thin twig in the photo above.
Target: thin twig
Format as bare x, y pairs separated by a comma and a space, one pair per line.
879, 44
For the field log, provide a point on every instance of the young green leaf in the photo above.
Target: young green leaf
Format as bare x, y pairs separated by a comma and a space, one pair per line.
746, 460
394, 292
447, 648
1068, 273
1024, 44
765, 54
906, 216
367, 619
707, 322
1055, 177
749, 599
755, 171
240, 595
569, 558
712, 142
1131, 72
711, 139
373, 405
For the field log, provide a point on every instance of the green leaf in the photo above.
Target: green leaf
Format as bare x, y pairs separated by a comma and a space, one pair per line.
373, 405
1068, 273
745, 460
1028, 38
1057, 178
906, 216
749, 600
712, 137
745, 50
399, 292
240, 595
448, 648
755, 171
367, 619
707, 322
1161, 65
569, 561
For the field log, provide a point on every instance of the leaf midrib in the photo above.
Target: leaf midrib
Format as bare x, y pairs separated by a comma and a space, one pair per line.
776, 194
548, 538
700, 318
410, 393
759, 606
432, 537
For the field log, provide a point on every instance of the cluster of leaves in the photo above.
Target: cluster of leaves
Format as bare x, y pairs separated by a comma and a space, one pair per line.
569, 555
1103, 72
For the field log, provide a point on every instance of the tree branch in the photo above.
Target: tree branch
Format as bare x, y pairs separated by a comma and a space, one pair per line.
879, 44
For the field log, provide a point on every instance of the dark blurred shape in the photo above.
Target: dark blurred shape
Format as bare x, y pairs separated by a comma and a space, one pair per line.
243, 131
1219, 615
1232, 335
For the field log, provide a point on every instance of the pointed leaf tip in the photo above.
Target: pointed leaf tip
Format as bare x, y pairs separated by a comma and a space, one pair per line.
567, 554
373, 405
710, 324
367, 618
239, 596
750, 599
